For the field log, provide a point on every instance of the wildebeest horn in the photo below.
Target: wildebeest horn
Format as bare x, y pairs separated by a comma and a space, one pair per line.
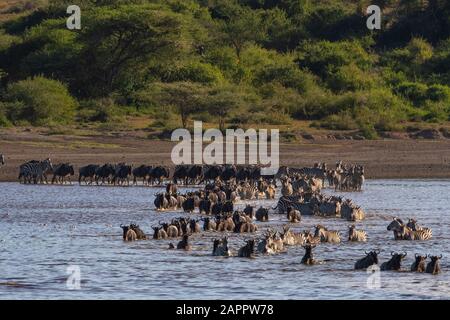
405, 254
365, 252
416, 255
392, 253
440, 257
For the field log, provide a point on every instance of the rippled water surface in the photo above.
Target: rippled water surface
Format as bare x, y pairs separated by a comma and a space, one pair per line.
45, 229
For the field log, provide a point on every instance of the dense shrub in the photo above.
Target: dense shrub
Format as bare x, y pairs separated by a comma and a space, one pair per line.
39, 101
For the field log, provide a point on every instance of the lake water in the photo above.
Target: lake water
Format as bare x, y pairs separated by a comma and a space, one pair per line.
44, 230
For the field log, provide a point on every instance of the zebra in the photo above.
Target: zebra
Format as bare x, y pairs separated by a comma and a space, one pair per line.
402, 232
413, 225
409, 234
284, 202
356, 235
35, 170
327, 235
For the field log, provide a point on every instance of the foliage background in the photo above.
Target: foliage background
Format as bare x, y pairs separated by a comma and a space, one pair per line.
232, 63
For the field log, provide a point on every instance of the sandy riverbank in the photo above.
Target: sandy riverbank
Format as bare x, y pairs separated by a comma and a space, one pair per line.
406, 158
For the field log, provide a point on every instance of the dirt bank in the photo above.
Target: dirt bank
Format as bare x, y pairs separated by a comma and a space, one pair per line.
406, 158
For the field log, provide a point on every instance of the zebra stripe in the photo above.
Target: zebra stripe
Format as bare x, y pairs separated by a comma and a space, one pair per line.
35, 170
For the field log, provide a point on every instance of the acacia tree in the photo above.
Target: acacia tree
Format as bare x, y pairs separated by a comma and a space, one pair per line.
220, 103
124, 38
185, 97
240, 25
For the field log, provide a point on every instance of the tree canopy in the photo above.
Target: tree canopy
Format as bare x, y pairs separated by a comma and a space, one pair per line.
229, 62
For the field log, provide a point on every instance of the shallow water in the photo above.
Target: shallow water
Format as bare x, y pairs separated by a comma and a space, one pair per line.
45, 229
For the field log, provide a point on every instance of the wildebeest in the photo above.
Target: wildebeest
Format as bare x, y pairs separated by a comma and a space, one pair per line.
433, 266
370, 259
419, 264
262, 214
220, 247
143, 172
308, 258
189, 204
161, 202
225, 223
356, 235
2, 159
243, 223
61, 171
122, 171
195, 174
205, 206
158, 174
327, 235
180, 173
194, 226
170, 229
208, 224
394, 263
293, 215
171, 188
248, 250
159, 233
211, 173
105, 173
184, 244
249, 211
128, 233
139, 233
87, 172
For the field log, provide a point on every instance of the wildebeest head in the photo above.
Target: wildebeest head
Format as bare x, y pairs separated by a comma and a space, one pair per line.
249, 211
419, 263
434, 266
156, 234
308, 251
125, 230
372, 256
396, 260
250, 246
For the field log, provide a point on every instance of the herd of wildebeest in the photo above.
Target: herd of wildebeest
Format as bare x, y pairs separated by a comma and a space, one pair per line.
222, 186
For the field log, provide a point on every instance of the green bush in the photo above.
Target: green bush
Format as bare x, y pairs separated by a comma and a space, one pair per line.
100, 110
39, 100
342, 121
